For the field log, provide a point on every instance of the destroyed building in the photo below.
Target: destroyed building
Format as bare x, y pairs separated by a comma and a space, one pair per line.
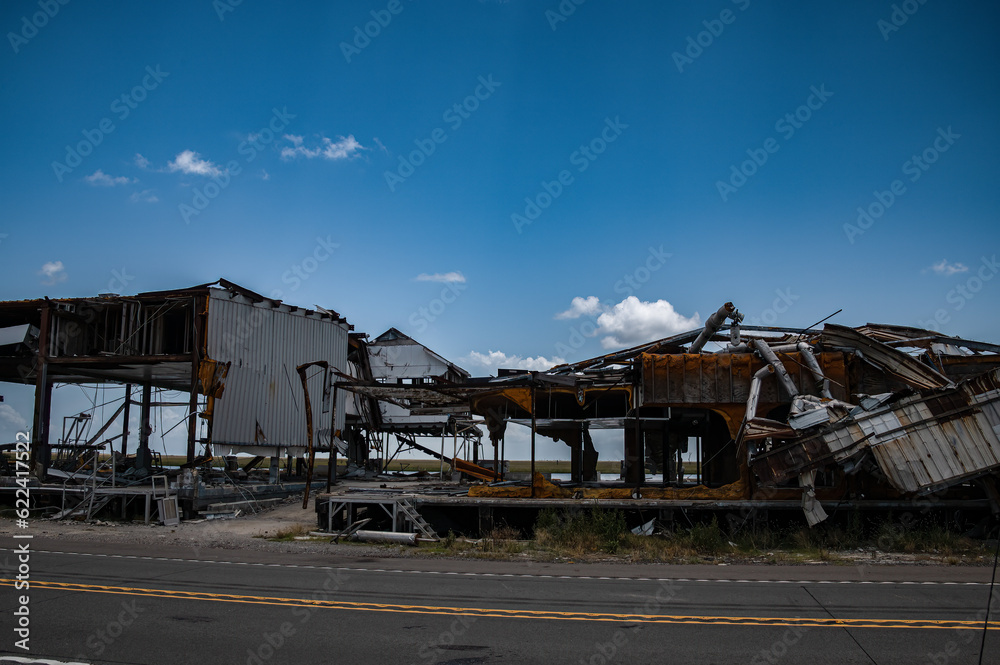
725, 418
236, 354
388, 428
869, 417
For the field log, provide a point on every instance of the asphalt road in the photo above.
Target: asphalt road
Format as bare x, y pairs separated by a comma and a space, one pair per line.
93, 603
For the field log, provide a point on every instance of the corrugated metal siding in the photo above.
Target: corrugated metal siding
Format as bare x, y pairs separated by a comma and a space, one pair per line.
265, 345
921, 443
930, 451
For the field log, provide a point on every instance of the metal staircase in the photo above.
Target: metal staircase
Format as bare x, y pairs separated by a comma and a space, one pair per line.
414, 517
90, 504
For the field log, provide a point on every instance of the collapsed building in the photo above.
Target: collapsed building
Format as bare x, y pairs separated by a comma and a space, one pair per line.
377, 424
725, 418
871, 417
259, 379
247, 363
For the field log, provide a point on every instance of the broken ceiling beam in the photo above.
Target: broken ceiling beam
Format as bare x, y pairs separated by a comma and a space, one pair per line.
907, 369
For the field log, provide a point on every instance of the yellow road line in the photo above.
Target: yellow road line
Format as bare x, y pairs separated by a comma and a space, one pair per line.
941, 624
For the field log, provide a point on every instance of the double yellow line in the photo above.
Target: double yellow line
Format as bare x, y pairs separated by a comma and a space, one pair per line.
517, 614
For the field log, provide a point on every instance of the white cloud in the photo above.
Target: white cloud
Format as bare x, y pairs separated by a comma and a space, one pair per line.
494, 359
942, 267
343, 148
101, 179
141, 161
380, 145
581, 307
10, 416
145, 196
444, 278
634, 321
54, 272
191, 163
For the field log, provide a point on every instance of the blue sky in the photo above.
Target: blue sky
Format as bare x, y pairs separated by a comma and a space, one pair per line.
680, 155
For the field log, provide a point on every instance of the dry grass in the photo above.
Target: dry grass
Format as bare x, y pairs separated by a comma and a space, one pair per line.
593, 532
503, 540
289, 533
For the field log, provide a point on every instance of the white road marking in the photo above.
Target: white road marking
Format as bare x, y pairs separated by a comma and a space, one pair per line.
525, 575
39, 661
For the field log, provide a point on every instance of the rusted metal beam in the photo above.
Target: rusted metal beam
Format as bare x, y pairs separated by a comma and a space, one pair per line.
112, 362
311, 452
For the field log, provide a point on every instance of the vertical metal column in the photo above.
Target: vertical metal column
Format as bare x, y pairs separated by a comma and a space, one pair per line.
142, 457
331, 463
444, 430
40, 457
126, 417
533, 423
195, 366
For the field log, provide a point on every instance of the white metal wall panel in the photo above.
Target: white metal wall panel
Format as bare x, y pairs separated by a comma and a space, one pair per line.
393, 361
403, 361
265, 344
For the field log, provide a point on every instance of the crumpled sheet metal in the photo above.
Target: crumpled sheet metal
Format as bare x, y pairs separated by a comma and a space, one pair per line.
922, 443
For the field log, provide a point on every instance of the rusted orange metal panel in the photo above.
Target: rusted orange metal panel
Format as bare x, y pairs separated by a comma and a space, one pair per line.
710, 380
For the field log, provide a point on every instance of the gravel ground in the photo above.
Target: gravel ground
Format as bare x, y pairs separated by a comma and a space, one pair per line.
247, 532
